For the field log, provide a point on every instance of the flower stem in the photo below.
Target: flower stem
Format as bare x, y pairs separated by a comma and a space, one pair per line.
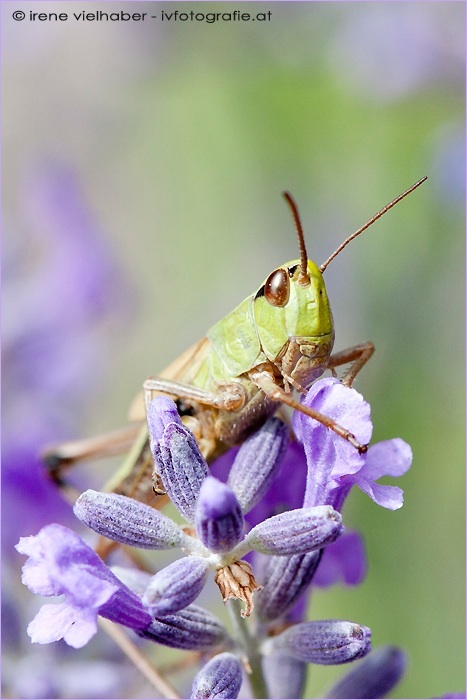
250, 647
143, 664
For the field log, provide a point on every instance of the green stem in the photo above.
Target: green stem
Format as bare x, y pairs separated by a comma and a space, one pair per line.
250, 647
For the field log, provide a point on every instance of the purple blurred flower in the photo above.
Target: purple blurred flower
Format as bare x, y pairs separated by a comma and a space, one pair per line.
53, 297
393, 52
374, 677
343, 561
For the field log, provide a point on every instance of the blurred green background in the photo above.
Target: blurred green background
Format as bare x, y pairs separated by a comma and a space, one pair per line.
183, 136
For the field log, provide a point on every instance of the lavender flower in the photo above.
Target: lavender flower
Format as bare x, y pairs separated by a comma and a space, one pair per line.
214, 510
60, 563
293, 543
335, 466
53, 298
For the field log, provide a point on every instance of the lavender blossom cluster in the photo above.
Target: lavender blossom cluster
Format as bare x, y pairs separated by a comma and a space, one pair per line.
263, 563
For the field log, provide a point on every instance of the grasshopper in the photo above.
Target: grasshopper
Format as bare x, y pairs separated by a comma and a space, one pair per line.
279, 339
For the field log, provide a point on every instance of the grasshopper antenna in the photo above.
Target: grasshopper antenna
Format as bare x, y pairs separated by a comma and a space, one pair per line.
371, 221
303, 278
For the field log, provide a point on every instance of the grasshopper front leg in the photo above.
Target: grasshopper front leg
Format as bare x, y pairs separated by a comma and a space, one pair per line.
264, 379
232, 397
358, 355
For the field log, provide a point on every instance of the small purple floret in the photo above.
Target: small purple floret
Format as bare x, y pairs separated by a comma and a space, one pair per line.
344, 561
162, 412
334, 465
125, 520
286, 579
219, 518
181, 467
325, 642
220, 678
296, 531
258, 462
191, 628
285, 675
176, 586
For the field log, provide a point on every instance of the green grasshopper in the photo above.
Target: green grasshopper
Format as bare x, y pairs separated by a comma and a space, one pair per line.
280, 338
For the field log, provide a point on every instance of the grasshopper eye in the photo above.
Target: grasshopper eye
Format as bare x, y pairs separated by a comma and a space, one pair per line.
277, 287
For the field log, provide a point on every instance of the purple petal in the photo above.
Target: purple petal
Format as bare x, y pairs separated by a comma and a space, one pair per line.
343, 561
220, 678
125, 520
296, 531
345, 405
330, 457
325, 642
54, 622
176, 586
373, 678
258, 462
192, 628
387, 458
219, 518
390, 497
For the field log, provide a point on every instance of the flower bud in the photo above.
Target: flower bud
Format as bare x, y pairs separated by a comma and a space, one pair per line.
220, 678
127, 521
219, 518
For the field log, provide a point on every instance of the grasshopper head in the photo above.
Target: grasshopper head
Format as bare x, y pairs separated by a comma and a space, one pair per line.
292, 305
288, 307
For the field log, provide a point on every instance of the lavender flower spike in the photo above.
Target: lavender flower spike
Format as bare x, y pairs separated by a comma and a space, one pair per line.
60, 563
218, 516
176, 586
220, 678
125, 520
296, 531
325, 642
373, 678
